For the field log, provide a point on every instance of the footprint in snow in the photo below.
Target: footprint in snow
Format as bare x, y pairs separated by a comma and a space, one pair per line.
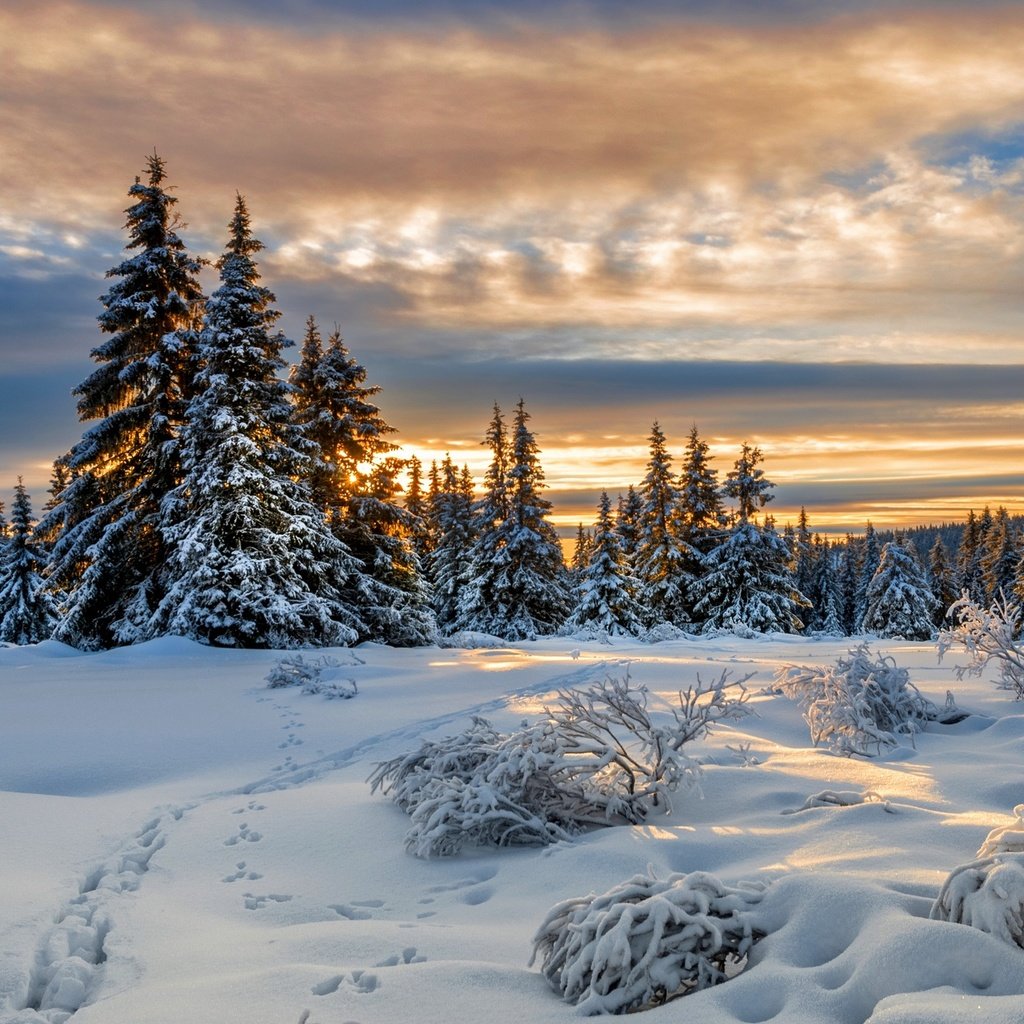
245, 835
242, 873
358, 981
407, 956
259, 902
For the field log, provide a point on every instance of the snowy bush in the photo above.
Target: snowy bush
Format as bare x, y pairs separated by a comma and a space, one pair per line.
987, 634
597, 758
647, 941
861, 704
315, 677
988, 893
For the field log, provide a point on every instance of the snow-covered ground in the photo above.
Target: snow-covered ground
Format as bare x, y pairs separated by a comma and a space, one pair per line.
214, 846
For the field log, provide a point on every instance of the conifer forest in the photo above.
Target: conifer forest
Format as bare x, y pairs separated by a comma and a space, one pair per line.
220, 494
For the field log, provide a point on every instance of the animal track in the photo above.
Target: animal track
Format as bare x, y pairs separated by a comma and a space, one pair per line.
245, 834
292, 741
250, 806
407, 956
359, 981
242, 873
357, 910
259, 902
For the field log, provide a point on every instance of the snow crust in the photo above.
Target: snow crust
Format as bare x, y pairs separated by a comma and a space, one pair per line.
180, 842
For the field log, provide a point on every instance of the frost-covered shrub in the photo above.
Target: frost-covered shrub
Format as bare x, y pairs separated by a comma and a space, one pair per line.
861, 704
597, 758
987, 634
988, 893
647, 940
319, 677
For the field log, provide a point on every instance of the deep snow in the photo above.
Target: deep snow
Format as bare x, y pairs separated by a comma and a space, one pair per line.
213, 846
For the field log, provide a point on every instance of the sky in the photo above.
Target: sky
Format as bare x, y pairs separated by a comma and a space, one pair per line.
795, 224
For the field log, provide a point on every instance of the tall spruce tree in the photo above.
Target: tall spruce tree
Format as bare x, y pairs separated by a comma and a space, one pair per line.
517, 574
941, 580
970, 576
664, 563
628, 515
700, 499
252, 563
869, 555
479, 586
747, 583
109, 552
605, 595
451, 512
899, 601
353, 480
27, 611
999, 557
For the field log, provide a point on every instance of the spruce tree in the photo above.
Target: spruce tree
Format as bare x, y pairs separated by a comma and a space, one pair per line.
664, 564
700, 499
825, 593
478, 596
252, 563
747, 583
869, 555
517, 575
108, 552
847, 578
803, 555
628, 515
941, 581
27, 611
605, 600
970, 576
999, 557
899, 601
451, 512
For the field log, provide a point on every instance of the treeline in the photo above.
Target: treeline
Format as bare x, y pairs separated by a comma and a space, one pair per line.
211, 498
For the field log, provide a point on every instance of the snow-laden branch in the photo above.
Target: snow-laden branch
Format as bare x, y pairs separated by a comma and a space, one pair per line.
986, 634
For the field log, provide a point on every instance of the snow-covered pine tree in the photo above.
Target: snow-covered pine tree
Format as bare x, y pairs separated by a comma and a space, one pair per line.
416, 506
664, 564
27, 611
899, 600
747, 583
478, 595
970, 576
451, 512
869, 555
803, 555
517, 576
999, 557
253, 563
605, 600
826, 614
391, 595
847, 577
581, 552
701, 515
628, 514
941, 581
108, 552
354, 481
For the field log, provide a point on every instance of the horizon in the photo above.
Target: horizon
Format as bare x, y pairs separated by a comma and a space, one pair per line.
621, 216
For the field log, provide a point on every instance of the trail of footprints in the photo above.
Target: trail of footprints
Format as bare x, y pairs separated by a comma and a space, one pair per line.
72, 953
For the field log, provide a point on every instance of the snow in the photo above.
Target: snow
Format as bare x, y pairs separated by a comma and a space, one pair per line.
181, 842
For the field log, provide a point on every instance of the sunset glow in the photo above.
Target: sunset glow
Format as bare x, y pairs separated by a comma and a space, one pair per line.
801, 232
